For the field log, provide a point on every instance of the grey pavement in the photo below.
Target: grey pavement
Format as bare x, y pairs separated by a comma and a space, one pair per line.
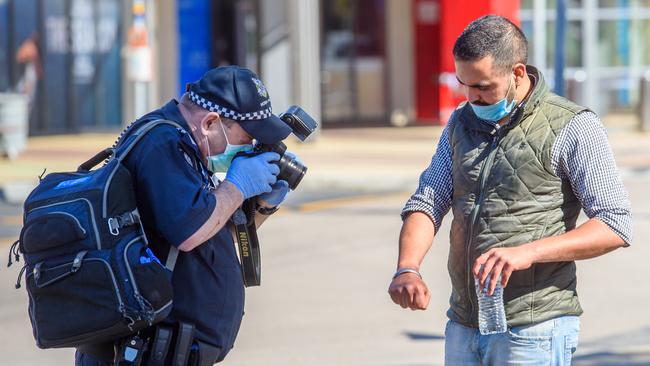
329, 255
323, 300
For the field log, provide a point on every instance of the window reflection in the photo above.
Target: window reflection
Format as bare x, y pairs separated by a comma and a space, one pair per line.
353, 61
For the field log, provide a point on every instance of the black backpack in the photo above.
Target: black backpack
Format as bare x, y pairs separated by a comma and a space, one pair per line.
90, 275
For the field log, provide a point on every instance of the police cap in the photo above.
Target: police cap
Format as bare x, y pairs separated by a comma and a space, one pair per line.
237, 93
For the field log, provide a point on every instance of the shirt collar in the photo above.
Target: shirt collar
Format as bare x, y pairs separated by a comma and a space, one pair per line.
170, 111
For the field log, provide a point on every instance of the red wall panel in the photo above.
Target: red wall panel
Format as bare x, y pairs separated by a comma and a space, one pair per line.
426, 16
433, 52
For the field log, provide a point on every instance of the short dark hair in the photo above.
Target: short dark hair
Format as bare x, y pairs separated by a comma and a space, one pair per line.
495, 36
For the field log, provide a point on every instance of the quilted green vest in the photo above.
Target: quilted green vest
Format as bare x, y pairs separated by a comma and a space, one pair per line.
506, 194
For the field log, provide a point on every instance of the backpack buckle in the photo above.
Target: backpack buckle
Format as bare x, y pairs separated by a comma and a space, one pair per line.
113, 226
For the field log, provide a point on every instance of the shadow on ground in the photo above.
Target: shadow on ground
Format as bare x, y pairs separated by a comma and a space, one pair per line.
417, 336
612, 359
629, 349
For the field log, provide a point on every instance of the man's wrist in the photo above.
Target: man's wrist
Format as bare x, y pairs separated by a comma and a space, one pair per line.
408, 264
534, 251
404, 270
232, 185
232, 190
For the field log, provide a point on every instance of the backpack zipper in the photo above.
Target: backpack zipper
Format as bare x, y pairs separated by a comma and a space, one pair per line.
145, 305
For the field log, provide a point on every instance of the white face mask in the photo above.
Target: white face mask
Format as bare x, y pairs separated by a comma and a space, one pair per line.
220, 163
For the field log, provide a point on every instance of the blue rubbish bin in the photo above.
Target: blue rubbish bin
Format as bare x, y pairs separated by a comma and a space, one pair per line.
14, 117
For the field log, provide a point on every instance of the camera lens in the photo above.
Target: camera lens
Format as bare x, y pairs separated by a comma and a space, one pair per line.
291, 170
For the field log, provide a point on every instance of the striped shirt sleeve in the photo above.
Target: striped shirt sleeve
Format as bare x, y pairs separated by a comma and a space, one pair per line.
433, 196
581, 153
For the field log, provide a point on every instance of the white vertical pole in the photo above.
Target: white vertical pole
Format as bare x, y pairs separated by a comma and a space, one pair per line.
139, 62
399, 44
539, 34
304, 25
153, 31
165, 51
590, 54
141, 96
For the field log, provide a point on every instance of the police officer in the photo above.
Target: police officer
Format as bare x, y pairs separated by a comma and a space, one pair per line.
181, 206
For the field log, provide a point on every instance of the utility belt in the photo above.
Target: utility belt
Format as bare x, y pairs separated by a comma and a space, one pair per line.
161, 345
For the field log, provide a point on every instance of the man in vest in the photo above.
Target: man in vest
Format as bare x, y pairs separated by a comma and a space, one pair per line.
516, 164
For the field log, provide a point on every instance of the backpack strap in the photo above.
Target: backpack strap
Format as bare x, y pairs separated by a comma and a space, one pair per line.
172, 256
98, 158
112, 151
123, 151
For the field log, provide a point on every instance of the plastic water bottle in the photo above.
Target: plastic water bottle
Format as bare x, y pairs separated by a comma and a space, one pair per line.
491, 313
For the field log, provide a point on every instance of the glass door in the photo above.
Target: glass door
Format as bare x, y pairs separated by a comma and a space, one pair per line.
353, 59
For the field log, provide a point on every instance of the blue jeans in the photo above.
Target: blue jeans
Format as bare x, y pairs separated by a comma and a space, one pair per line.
552, 342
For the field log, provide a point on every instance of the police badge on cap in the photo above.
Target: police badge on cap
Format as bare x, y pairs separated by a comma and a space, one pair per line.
261, 90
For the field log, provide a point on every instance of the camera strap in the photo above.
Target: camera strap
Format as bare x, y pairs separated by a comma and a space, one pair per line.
249, 247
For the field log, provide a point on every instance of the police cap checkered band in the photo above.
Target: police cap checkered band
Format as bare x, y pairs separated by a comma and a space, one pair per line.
229, 113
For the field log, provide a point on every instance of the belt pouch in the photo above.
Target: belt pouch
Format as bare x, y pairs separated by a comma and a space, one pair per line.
184, 340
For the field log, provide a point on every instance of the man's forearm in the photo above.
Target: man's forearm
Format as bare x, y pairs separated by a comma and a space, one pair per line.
229, 198
589, 240
415, 240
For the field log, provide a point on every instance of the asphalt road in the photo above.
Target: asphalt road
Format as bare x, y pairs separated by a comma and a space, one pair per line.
327, 262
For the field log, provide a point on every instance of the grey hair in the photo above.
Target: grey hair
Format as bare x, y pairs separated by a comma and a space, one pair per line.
190, 105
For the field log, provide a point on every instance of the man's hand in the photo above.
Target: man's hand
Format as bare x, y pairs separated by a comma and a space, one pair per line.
501, 261
279, 190
409, 291
277, 195
254, 175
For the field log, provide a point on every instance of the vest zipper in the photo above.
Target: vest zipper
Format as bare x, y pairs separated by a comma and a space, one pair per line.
485, 172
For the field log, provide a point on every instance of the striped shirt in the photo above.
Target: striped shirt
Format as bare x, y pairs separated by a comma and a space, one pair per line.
580, 154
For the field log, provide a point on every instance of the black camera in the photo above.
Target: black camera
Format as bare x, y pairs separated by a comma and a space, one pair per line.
302, 125
291, 170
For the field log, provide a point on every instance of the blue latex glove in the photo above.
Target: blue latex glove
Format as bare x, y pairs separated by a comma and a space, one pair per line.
277, 194
254, 175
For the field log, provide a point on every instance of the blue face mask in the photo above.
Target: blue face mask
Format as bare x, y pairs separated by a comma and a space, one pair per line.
494, 112
220, 163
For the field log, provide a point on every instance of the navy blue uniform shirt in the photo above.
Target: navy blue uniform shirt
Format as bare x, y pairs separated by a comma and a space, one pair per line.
174, 199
